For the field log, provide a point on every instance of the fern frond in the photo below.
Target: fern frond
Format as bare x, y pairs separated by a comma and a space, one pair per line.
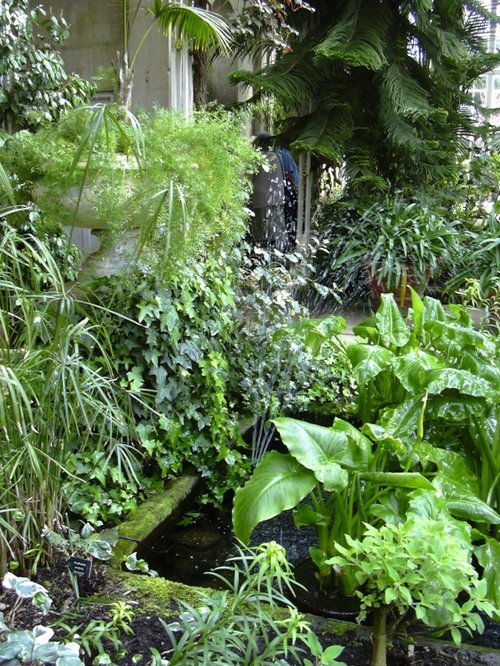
292, 79
398, 131
326, 133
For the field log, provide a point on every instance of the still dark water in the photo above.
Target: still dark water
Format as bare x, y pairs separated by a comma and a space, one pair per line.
187, 553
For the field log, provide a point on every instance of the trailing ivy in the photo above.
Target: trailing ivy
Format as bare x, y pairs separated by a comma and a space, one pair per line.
174, 345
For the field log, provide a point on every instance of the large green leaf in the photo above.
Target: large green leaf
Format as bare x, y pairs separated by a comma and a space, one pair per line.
444, 334
368, 361
401, 421
463, 502
488, 556
390, 322
278, 483
455, 408
398, 479
483, 365
313, 332
417, 305
451, 464
204, 28
459, 380
367, 329
322, 449
411, 369
433, 311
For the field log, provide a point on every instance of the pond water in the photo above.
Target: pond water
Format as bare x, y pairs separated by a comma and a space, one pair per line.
186, 553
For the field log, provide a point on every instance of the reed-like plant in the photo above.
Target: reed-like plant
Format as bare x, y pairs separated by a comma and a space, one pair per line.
53, 397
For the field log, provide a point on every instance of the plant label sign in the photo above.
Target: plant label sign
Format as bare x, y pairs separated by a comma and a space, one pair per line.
80, 567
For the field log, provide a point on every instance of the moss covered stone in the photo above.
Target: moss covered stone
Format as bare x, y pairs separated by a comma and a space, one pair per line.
152, 516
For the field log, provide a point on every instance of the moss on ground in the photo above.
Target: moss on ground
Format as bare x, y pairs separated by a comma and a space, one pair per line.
155, 596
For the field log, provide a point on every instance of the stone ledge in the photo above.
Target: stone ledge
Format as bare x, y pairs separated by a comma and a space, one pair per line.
152, 517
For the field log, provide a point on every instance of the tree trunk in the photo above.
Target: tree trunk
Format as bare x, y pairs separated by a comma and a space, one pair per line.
125, 82
379, 651
200, 68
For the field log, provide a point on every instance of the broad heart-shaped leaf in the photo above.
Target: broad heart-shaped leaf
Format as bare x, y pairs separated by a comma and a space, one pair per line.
484, 365
401, 421
278, 483
322, 449
427, 505
455, 408
411, 369
433, 311
459, 380
488, 556
390, 323
313, 331
463, 502
332, 476
368, 361
331, 326
367, 329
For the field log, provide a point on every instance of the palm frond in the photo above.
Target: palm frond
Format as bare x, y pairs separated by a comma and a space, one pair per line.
326, 133
358, 39
292, 89
204, 28
407, 97
398, 131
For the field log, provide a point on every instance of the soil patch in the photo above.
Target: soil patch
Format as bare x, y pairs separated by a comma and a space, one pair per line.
146, 631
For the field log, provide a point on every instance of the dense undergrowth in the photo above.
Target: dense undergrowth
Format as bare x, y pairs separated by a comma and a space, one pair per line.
116, 384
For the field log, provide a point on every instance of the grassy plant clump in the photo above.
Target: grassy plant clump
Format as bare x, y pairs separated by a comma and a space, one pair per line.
55, 397
252, 621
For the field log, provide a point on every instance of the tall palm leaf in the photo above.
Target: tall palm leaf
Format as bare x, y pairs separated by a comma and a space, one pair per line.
203, 28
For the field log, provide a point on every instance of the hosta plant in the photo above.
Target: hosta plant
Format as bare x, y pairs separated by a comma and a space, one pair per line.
27, 646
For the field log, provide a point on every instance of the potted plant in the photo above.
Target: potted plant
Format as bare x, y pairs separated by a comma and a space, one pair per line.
397, 242
423, 564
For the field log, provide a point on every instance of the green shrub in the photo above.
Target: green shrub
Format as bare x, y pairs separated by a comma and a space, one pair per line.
184, 183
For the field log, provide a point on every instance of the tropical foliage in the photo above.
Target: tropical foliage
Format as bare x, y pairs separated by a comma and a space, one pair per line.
427, 407
102, 166
380, 86
55, 398
423, 563
202, 29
